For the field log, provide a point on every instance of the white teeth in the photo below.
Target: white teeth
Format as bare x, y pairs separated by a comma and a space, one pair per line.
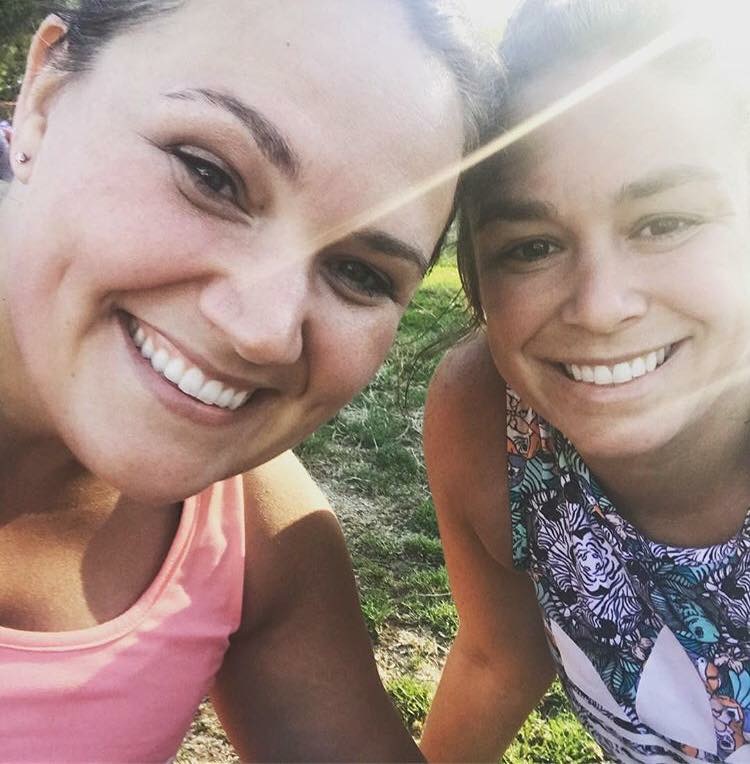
159, 360
225, 398
175, 369
238, 400
189, 379
210, 392
621, 372
602, 375
147, 350
638, 367
192, 381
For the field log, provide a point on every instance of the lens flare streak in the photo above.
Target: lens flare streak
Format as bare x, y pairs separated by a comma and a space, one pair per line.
697, 24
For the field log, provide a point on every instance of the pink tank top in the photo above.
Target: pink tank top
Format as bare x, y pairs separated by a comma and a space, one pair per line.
126, 690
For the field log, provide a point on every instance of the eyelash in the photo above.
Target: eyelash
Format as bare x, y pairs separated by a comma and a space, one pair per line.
684, 225
368, 281
518, 253
200, 169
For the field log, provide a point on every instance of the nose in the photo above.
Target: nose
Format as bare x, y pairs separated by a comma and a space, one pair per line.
604, 291
262, 311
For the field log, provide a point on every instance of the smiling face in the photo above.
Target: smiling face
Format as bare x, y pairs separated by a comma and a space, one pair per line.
613, 265
178, 309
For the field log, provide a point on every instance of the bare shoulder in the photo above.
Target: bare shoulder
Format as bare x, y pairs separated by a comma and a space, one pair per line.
291, 533
464, 442
467, 393
280, 492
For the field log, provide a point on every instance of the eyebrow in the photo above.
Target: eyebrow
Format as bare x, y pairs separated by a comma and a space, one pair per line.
512, 209
664, 180
265, 134
381, 241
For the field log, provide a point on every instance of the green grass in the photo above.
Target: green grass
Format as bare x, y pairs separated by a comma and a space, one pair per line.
412, 698
553, 734
373, 449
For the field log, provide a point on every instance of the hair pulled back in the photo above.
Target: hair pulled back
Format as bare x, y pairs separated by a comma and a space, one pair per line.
547, 36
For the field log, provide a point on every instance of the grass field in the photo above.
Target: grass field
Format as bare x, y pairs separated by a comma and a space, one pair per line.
370, 458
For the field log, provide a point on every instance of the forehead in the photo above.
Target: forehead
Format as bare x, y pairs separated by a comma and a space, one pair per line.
328, 51
640, 127
348, 82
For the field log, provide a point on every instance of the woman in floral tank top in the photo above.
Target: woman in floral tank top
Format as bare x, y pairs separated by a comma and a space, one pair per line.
588, 448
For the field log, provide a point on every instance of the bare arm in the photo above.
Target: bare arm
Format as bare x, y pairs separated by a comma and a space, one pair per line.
299, 682
499, 665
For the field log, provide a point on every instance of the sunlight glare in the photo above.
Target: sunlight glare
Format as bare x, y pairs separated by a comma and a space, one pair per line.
490, 16
724, 21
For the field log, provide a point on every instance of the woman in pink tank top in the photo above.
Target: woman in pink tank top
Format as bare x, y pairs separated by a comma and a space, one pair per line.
200, 262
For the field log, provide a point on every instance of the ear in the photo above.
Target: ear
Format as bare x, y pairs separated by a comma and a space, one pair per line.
40, 82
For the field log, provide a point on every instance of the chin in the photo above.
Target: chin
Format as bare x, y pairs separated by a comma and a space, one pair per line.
622, 440
146, 477
159, 486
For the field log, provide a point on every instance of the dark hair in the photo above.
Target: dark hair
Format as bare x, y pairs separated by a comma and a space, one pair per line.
440, 24
93, 23
546, 36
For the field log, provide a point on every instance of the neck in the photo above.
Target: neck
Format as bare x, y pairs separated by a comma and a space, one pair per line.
41, 476
693, 491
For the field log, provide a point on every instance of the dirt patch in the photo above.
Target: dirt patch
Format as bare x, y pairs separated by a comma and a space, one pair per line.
405, 652
206, 741
356, 513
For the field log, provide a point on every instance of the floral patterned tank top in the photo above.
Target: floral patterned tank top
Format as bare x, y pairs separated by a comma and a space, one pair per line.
652, 642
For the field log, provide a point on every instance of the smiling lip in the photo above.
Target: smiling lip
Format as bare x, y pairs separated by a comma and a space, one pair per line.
618, 372
201, 385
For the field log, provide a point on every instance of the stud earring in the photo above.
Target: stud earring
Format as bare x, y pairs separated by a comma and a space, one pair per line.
22, 157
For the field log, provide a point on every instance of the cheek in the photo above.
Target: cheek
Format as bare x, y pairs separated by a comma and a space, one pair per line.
516, 310
100, 236
709, 283
348, 353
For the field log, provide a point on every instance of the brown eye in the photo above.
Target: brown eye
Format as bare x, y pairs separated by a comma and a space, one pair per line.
362, 278
531, 251
208, 176
666, 226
